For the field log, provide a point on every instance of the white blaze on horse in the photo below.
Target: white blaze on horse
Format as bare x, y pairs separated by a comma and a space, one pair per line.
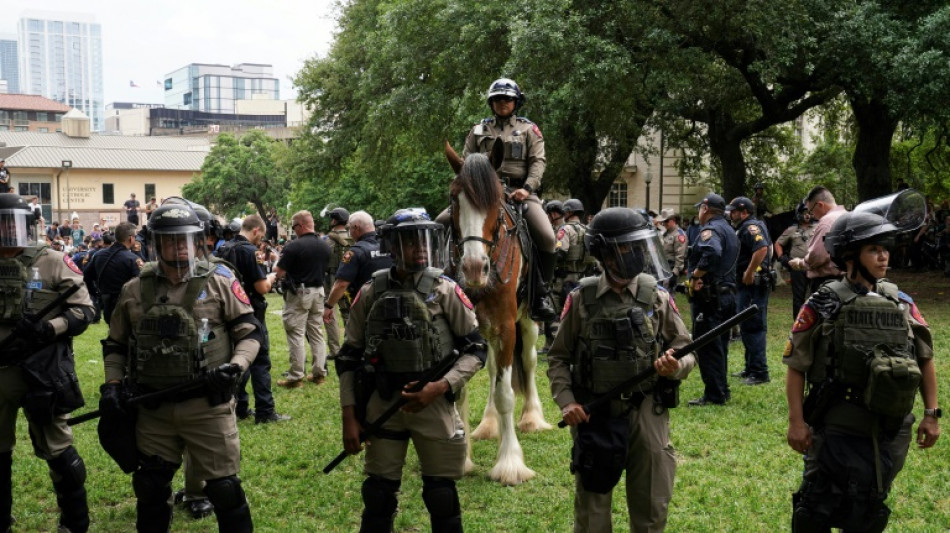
491, 267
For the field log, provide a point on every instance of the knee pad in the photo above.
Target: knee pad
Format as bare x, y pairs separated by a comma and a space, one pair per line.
152, 480
379, 496
440, 496
68, 471
225, 493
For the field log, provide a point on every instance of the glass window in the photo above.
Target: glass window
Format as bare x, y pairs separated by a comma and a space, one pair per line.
108, 193
21, 128
42, 117
35, 25
55, 26
43, 130
149, 192
42, 193
168, 84
618, 195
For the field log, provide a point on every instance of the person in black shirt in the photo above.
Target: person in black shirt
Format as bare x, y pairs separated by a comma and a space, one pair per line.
359, 262
303, 263
110, 268
132, 209
242, 254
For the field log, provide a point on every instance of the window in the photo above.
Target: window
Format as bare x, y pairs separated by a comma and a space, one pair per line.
149, 192
42, 193
186, 99
43, 130
108, 193
168, 84
618, 195
42, 117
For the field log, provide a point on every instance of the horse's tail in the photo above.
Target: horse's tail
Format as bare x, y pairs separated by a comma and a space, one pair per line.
519, 377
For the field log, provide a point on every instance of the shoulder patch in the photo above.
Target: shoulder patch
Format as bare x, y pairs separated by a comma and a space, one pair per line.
536, 130
222, 270
238, 291
706, 234
567, 305
758, 238
805, 320
914, 310
464, 297
347, 256
72, 266
753, 229
681, 238
560, 233
671, 299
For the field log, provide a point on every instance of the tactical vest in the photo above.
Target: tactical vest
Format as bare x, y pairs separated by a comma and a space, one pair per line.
616, 341
166, 347
401, 331
15, 273
576, 253
871, 355
340, 242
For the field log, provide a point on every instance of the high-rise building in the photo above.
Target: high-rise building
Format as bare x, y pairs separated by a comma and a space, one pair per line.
9, 64
215, 88
61, 59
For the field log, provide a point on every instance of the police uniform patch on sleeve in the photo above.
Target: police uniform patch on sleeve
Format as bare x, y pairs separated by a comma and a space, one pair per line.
560, 234
222, 270
706, 234
356, 298
238, 291
753, 229
72, 266
805, 320
347, 256
536, 130
464, 297
671, 299
567, 305
681, 238
788, 348
914, 310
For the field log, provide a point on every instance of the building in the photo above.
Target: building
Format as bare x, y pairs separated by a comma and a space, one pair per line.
93, 175
61, 58
9, 63
29, 112
215, 88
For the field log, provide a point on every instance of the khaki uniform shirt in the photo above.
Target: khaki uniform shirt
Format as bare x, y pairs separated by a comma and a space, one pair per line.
668, 327
449, 300
524, 147
222, 301
567, 239
674, 246
794, 240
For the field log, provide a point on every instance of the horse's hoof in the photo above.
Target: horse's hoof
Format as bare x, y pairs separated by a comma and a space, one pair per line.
534, 425
486, 430
511, 475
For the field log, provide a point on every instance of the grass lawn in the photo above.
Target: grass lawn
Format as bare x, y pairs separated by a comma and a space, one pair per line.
735, 474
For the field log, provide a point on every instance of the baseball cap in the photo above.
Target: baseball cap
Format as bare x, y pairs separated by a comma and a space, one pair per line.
712, 200
742, 203
665, 214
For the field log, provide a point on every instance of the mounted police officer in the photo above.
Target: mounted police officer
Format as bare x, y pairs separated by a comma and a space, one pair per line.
712, 290
613, 327
183, 319
32, 277
522, 171
403, 322
754, 282
863, 349
340, 241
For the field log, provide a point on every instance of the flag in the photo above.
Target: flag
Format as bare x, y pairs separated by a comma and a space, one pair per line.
132, 84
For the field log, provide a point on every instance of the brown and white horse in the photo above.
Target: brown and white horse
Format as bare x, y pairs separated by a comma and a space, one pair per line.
490, 268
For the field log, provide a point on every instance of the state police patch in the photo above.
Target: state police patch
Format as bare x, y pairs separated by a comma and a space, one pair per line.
238, 292
464, 297
72, 266
805, 320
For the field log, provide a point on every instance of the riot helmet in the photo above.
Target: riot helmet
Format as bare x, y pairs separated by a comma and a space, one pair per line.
626, 244
574, 207
505, 87
338, 216
554, 206
413, 239
17, 228
212, 228
853, 230
176, 237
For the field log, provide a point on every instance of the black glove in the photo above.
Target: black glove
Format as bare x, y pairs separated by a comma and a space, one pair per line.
111, 401
37, 330
224, 378
784, 259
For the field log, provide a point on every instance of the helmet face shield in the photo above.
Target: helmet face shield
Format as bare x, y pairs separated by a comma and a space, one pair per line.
415, 247
626, 256
178, 250
16, 231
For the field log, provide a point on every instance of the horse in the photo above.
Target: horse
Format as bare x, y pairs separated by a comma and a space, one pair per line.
492, 266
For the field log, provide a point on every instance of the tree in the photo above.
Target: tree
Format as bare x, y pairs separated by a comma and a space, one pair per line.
238, 172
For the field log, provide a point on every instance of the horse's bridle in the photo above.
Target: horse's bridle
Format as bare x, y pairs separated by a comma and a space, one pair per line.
496, 237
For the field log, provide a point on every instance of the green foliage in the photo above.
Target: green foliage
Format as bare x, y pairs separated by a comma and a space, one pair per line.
241, 173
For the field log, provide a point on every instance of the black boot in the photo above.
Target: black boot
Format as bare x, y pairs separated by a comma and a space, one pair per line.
542, 306
230, 505
6, 490
69, 481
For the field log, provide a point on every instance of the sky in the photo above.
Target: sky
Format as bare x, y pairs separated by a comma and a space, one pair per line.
142, 40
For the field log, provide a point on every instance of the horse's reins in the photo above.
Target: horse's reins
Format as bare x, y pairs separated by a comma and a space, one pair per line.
493, 243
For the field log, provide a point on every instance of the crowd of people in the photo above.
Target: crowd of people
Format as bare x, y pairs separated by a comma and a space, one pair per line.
184, 298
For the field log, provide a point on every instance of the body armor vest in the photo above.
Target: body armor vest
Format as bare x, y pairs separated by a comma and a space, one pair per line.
871, 355
575, 254
15, 273
616, 340
401, 331
340, 242
167, 348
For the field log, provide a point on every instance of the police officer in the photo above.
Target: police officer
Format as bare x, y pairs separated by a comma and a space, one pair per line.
555, 212
614, 326
339, 239
36, 360
754, 276
182, 319
358, 263
674, 243
712, 288
111, 268
761, 208
855, 425
571, 253
241, 253
793, 244
522, 171
404, 321
303, 262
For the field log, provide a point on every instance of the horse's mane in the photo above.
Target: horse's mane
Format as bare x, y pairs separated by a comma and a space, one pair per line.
478, 180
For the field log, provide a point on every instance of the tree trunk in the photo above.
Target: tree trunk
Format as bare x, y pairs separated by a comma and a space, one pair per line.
728, 150
872, 154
